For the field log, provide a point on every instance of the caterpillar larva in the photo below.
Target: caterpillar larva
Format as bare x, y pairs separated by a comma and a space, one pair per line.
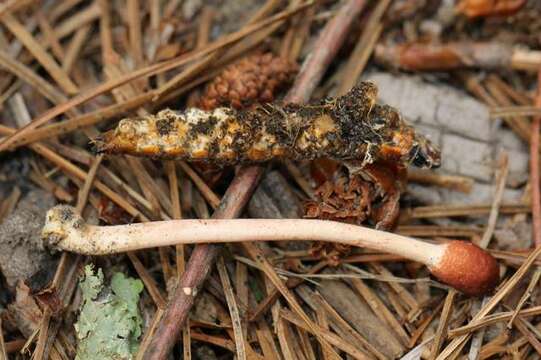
349, 127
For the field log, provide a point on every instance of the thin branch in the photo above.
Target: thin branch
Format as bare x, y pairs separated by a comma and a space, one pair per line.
534, 171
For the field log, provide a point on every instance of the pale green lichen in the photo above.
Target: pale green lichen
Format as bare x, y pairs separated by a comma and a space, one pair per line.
109, 324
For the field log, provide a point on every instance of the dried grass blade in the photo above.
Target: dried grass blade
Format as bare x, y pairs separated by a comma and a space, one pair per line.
512, 111
243, 292
50, 36
149, 333
233, 309
283, 332
205, 190
529, 290
13, 5
150, 283
420, 330
404, 294
8, 204
61, 8
34, 47
71, 169
441, 332
134, 31
501, 179
266, 341
49, 185
269, 271
332, 338
379, 308
85, 120
78, 20
30, 77
455, 182
522, 326
85, 190
179, 249
493, 319
3, 351
214, 340
451, 210
519, 126
74, 48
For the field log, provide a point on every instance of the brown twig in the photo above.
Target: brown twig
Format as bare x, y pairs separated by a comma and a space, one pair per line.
364, 48
534, 171
455, 182
451, 210
328, 44
430, 57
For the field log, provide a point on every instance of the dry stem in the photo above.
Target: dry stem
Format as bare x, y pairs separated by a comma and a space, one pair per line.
534, 171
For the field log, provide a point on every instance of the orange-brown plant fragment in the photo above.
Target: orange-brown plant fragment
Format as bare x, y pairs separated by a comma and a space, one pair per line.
433, 57
370, 197
478, 8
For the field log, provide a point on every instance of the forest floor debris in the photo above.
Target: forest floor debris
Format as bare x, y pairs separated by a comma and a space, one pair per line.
464, 75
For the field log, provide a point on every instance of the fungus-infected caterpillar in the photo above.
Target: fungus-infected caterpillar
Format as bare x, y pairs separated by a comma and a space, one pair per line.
348, 128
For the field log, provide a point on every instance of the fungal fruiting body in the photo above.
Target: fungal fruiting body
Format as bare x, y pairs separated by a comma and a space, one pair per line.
462, 265
347, 128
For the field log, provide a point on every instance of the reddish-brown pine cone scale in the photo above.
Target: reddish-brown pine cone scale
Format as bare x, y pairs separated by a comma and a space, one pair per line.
251, 80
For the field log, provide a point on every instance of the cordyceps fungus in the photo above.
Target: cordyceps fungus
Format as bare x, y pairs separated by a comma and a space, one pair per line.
349, 128
462, 265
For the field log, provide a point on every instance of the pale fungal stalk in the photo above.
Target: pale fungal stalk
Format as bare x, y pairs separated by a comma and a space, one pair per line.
457, 263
